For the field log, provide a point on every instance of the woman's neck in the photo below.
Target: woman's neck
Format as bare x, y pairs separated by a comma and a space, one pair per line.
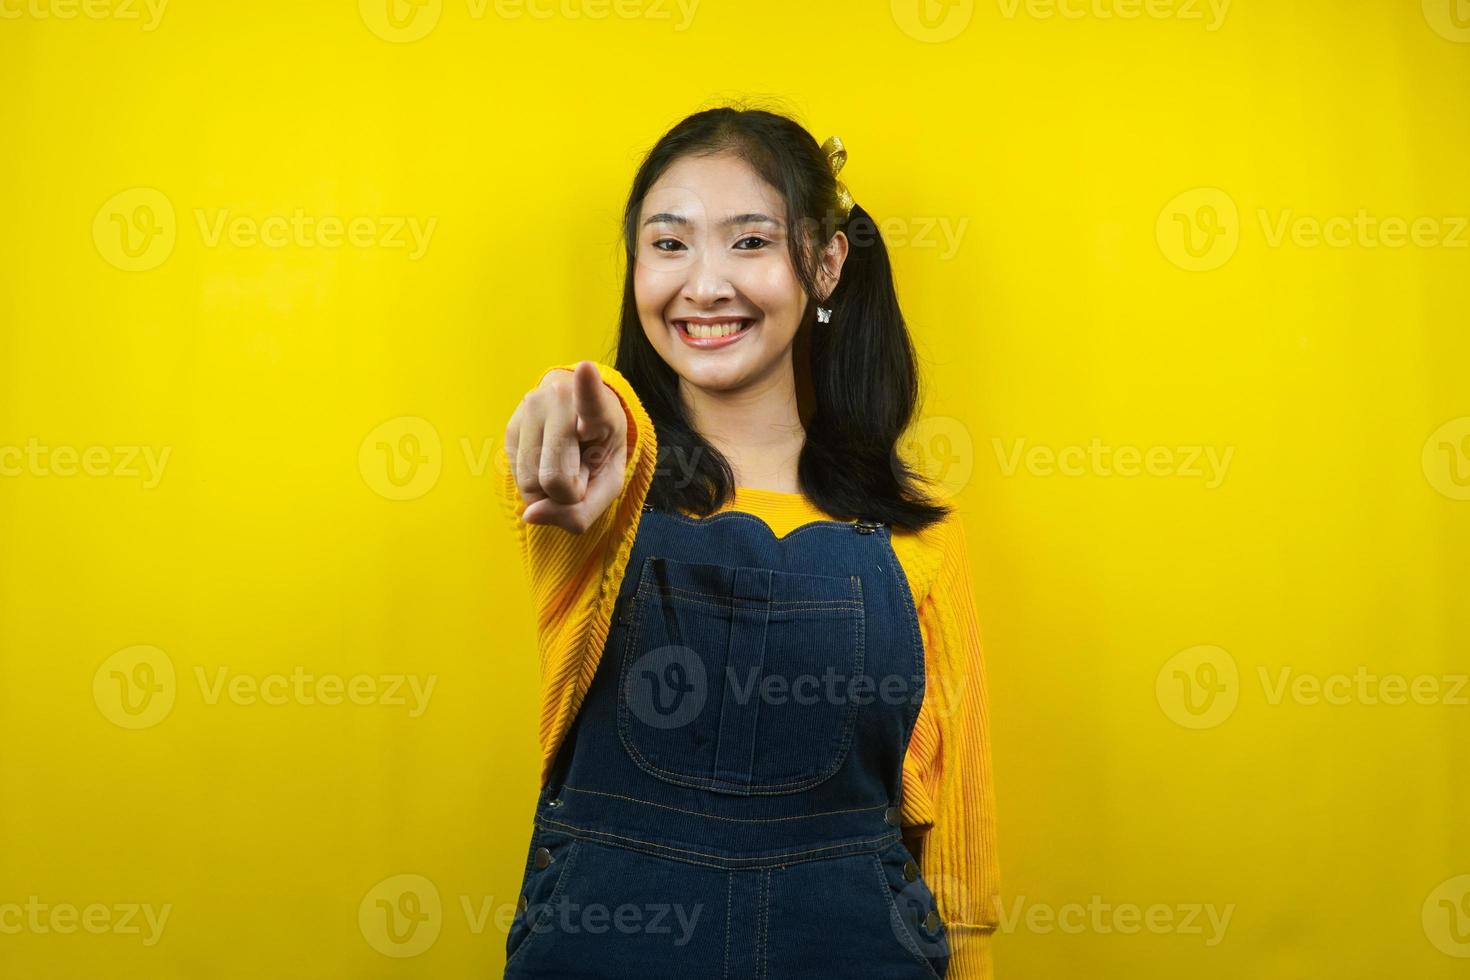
756, 428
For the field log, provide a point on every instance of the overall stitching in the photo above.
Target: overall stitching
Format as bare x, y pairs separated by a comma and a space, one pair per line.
725, 600
713, 816
797, 605
720, 860
729, 890
760, 963
742, 515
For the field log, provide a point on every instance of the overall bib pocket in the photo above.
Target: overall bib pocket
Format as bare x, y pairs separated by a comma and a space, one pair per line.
740, 680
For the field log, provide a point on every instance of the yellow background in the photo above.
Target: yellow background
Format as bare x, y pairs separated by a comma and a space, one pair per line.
1065, 150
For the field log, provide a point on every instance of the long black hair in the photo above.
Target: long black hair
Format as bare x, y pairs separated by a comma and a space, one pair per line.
857, 378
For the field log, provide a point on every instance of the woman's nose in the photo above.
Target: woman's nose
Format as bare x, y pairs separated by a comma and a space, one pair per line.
708, 279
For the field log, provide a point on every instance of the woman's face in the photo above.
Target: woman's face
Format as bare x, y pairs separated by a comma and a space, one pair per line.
717, 294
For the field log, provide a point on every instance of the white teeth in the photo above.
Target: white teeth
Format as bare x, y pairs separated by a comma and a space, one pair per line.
710, 330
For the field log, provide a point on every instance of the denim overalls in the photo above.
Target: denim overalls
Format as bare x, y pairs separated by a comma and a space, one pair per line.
726, 803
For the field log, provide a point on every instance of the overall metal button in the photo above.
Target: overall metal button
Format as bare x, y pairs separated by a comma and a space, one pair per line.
543, 857
910, 870
521, 905
866, 527
890, 816
931, 921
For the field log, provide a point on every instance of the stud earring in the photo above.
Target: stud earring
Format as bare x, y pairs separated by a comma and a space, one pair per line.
824, 315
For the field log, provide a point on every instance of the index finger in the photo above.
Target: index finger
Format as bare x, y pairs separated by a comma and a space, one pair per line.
593, 408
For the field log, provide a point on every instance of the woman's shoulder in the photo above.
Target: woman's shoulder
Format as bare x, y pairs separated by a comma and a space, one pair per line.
924, 552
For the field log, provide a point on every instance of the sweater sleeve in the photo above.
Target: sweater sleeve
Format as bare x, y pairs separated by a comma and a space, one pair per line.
574, 578
951, 736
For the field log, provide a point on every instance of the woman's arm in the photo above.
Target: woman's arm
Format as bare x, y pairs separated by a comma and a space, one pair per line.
574, 578
952, 737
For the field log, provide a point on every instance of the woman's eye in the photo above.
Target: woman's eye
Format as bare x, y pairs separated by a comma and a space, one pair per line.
750, 243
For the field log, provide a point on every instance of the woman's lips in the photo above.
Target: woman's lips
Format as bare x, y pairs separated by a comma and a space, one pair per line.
709, 343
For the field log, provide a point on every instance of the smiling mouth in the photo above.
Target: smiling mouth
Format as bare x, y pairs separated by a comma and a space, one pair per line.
713, 329
713, 334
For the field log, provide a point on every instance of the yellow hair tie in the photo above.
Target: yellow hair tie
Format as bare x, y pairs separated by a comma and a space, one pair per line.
836, 157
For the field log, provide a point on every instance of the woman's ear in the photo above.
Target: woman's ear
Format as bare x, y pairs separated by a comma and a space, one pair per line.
833, 257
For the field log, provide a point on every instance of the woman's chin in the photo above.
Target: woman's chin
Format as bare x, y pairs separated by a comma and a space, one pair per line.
712, 377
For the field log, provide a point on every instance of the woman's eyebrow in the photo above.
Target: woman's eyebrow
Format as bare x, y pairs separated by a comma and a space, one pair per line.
749, 218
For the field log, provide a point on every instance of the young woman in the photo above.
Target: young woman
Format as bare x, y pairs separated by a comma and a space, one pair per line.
763, 695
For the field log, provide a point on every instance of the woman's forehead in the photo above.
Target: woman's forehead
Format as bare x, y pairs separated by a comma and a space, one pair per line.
712, 189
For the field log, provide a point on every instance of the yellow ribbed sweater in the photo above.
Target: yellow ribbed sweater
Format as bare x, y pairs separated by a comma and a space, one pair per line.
947, 804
